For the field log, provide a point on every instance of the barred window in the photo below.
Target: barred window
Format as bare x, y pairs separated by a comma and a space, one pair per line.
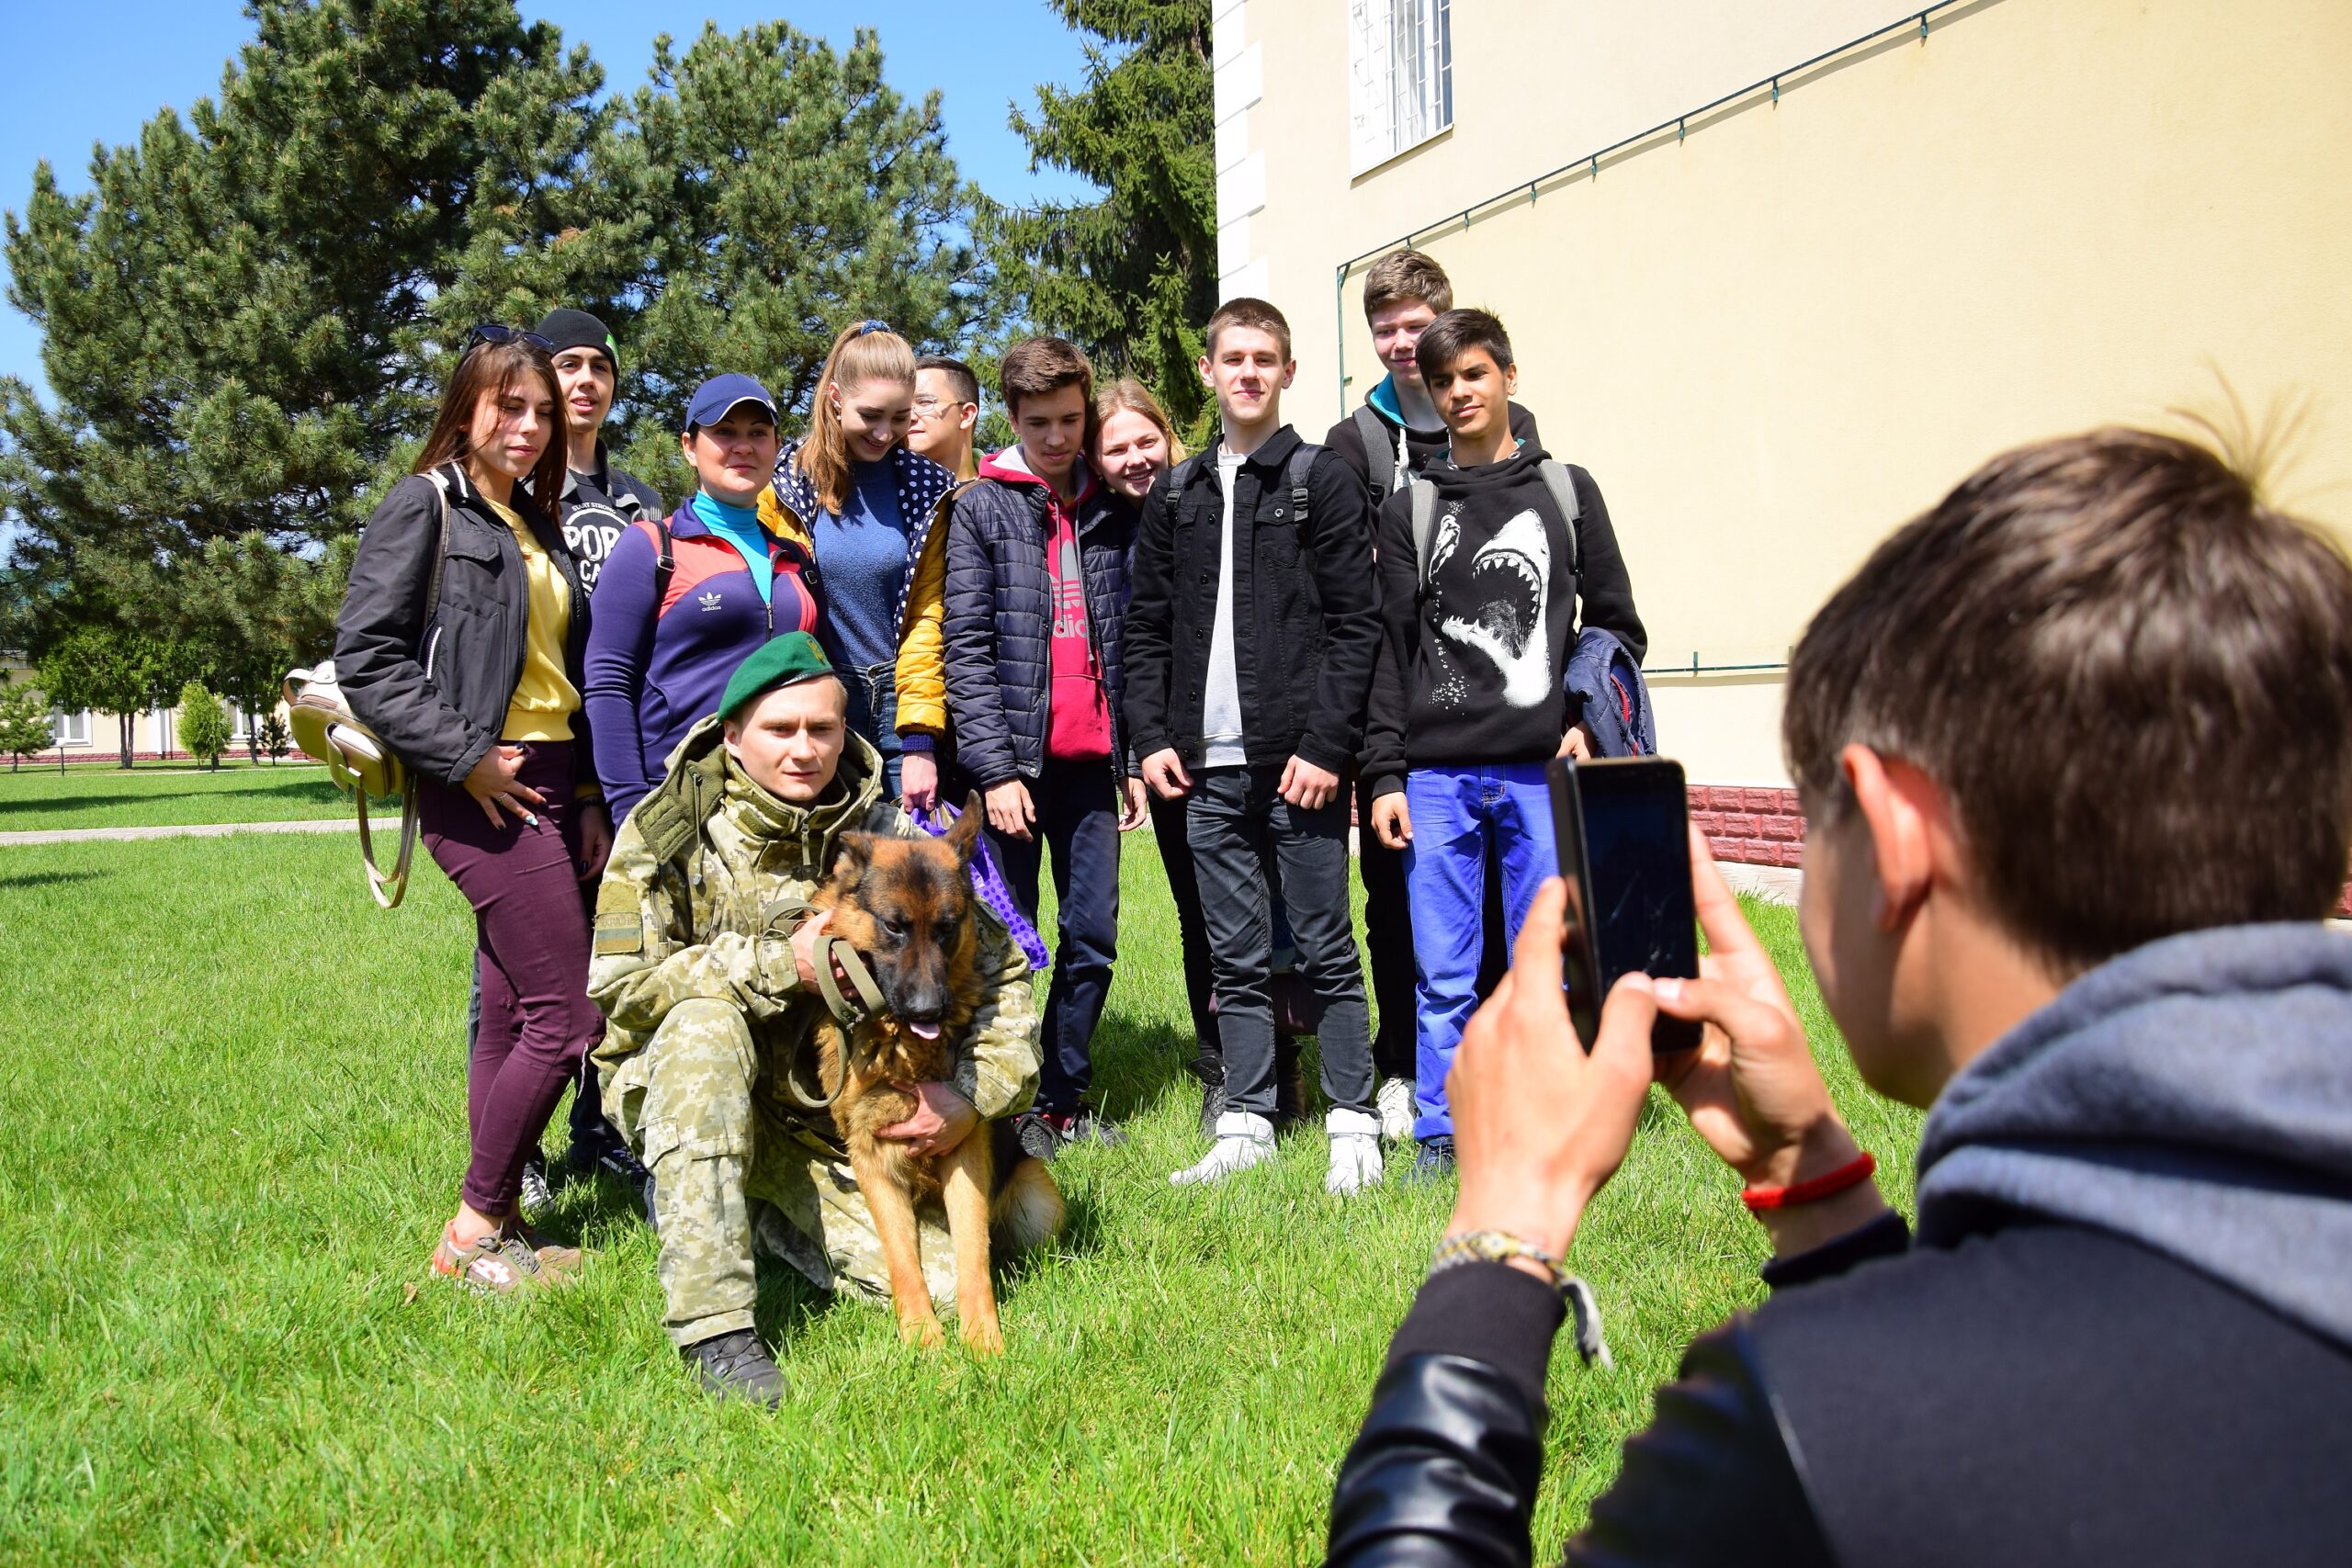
1400, 77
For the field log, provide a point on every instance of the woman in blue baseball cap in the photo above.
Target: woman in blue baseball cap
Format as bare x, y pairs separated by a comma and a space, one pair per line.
869, 509
682, 601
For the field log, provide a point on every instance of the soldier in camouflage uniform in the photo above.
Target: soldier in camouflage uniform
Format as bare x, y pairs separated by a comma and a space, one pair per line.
708, 1009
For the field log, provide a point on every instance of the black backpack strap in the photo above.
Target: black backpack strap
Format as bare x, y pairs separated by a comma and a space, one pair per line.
1557, 480
1295, 476
1380, 464
665, 563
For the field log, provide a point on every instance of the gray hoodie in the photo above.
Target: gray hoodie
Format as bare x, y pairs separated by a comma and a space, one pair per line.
2194, 1095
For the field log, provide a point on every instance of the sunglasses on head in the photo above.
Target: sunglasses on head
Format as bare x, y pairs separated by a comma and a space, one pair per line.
491, 332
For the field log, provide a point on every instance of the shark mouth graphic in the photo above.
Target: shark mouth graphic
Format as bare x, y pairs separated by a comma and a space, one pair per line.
1510, 589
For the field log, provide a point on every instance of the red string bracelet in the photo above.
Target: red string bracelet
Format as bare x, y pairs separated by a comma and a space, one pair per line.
1853, 1173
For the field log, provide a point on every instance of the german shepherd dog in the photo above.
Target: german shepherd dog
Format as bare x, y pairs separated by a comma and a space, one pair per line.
907, 907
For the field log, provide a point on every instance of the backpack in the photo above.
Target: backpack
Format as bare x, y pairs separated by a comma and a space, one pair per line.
1555, 479
1294, 474
358, 762
1374, 431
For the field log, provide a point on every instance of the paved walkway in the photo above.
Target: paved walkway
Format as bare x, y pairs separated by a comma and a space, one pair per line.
195, 830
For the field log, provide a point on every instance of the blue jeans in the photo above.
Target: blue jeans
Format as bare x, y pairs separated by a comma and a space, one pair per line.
1457, 812
873, 713
1078, 819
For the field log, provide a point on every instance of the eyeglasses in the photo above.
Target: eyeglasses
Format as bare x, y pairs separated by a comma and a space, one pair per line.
491, 332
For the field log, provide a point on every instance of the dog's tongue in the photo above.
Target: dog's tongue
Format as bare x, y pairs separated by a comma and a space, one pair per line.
922, 1030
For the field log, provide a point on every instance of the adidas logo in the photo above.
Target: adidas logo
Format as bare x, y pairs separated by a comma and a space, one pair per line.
708, 599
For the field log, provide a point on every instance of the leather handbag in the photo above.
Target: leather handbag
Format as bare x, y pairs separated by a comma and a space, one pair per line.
357, 760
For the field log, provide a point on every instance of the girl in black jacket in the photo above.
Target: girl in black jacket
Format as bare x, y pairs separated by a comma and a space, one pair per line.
460, 643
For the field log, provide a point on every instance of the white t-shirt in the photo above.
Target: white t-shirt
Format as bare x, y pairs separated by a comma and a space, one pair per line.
1221, 700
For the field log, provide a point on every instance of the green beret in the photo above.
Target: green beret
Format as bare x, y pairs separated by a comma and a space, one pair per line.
782, 662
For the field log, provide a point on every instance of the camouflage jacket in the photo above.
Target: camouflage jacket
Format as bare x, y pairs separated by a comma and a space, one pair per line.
678, 917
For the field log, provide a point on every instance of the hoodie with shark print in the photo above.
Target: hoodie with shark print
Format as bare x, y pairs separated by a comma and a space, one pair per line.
1473, 662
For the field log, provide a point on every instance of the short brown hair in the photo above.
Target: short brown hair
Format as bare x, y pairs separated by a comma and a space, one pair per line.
1402, 275
1456, 332
1241, 311
1038, 366
2130, 677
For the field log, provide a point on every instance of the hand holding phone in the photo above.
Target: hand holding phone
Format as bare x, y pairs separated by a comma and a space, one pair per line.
1622, 827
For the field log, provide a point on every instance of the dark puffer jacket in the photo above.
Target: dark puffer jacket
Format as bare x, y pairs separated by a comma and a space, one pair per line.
1000, 622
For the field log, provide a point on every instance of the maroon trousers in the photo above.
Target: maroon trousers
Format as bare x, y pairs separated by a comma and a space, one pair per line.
530, 957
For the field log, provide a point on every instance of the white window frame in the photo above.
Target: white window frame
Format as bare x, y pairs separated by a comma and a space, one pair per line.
1400, 77
69, 729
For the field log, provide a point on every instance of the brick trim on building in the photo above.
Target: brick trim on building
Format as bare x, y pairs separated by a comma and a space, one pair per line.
1748, 826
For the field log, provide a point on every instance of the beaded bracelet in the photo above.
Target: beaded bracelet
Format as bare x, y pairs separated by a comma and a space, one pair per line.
1500, 1246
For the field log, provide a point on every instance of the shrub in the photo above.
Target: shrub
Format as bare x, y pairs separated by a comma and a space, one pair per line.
204, 724
275, 741
24, 723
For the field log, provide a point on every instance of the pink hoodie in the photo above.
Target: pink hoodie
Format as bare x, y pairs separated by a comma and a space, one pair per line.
1078, 717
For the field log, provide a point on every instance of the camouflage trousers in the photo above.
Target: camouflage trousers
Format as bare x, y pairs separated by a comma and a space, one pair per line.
733, 1176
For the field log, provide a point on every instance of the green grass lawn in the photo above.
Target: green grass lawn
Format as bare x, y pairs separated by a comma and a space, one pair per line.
237, 1112
178, 797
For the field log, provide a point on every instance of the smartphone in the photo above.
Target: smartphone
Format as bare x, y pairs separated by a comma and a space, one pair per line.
1623, 830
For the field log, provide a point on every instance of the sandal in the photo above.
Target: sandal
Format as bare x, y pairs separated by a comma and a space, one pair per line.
497, 1264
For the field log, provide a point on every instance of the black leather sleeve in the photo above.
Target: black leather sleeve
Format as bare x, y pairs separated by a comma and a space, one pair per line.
378, 633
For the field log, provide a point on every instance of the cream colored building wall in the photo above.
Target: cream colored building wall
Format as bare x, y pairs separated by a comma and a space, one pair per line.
1775, 340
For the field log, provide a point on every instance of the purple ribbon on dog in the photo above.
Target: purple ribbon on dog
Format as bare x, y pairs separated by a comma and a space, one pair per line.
988, 883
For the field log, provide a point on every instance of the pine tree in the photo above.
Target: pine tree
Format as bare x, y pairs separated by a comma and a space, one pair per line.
792, 192
1130, 277
248, 317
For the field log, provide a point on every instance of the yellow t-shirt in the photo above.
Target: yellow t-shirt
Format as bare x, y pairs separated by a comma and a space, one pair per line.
545, 699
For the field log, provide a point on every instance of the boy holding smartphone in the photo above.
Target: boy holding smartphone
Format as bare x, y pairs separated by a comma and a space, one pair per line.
1482, 565
1251, 643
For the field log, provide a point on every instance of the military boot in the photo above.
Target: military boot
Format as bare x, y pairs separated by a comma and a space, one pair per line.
737, 1366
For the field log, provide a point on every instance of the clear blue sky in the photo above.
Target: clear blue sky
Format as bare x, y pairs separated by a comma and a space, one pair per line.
75, 86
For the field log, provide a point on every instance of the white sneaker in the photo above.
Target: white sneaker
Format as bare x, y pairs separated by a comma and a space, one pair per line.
1355, 1151
1243, 1138
1397, 1112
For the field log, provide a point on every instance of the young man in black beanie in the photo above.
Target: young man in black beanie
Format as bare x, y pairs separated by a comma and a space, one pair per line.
599, 499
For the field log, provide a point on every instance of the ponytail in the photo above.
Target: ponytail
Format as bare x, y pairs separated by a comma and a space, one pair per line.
867, 351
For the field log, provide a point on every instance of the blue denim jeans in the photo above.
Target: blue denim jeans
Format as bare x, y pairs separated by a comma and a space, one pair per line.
873, 713
1457, 813
1078, 819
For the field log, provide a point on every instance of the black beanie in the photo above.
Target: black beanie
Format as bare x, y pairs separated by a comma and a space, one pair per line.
578, 329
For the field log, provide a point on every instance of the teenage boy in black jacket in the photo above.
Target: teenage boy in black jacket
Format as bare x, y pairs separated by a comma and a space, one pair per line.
1394, 435
1250, 644
1470, 700
2074, 750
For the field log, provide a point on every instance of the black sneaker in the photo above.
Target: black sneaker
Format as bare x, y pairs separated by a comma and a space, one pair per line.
1433, 1161
1085, 1127
737, 1366
538, 1197
1037, 1136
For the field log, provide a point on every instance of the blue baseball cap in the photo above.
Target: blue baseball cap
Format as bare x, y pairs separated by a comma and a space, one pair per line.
715, 398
